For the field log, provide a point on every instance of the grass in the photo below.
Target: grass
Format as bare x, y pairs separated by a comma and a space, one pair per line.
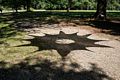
12, 52
6, 11
9, 39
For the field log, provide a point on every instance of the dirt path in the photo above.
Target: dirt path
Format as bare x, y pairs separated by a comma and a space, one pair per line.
107, 58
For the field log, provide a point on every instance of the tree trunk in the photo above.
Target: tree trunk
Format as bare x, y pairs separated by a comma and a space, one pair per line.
101, 10
16, 10
28, 3
15, 5
69, 5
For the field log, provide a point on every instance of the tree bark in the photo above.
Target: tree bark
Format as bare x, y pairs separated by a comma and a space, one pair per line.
16, 3
101, 10
28, 3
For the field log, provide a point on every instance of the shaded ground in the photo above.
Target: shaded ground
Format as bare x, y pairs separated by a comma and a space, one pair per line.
109, 27
27, 51
46, 70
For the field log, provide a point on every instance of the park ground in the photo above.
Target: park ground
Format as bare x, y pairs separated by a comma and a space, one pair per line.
33, 44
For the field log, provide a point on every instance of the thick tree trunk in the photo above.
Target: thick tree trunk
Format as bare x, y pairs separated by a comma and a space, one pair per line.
101, 10
28, 3
15, 5
24, 6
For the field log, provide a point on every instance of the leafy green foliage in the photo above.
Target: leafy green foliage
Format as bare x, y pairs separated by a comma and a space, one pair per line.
57, 4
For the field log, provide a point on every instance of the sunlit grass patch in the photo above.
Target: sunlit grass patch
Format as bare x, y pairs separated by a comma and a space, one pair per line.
3, 25
12, 51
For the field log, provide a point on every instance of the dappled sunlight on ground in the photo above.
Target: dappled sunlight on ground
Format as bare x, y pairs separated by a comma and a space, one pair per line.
55, 47
43, 69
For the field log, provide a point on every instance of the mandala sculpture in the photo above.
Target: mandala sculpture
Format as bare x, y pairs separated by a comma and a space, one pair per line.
63, 43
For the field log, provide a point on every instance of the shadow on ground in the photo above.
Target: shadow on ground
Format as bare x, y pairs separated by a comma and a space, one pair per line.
42, 69
109, 27
46, 70
24, 20
7, 31
59, 42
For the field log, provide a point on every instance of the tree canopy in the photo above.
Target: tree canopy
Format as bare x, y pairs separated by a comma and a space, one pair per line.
57, 4
100, 5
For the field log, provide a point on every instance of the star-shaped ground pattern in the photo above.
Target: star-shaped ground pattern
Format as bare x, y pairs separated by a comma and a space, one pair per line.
48, 42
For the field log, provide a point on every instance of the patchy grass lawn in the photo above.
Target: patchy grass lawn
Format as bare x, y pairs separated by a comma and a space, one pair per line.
10, 45
11, 50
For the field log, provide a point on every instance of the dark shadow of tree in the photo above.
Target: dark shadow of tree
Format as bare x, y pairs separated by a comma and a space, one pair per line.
19, 21
46, 70
112, 27
23, 20
49, 42
7, 31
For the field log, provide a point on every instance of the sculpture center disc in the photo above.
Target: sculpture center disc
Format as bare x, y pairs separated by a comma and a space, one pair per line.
64, 41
